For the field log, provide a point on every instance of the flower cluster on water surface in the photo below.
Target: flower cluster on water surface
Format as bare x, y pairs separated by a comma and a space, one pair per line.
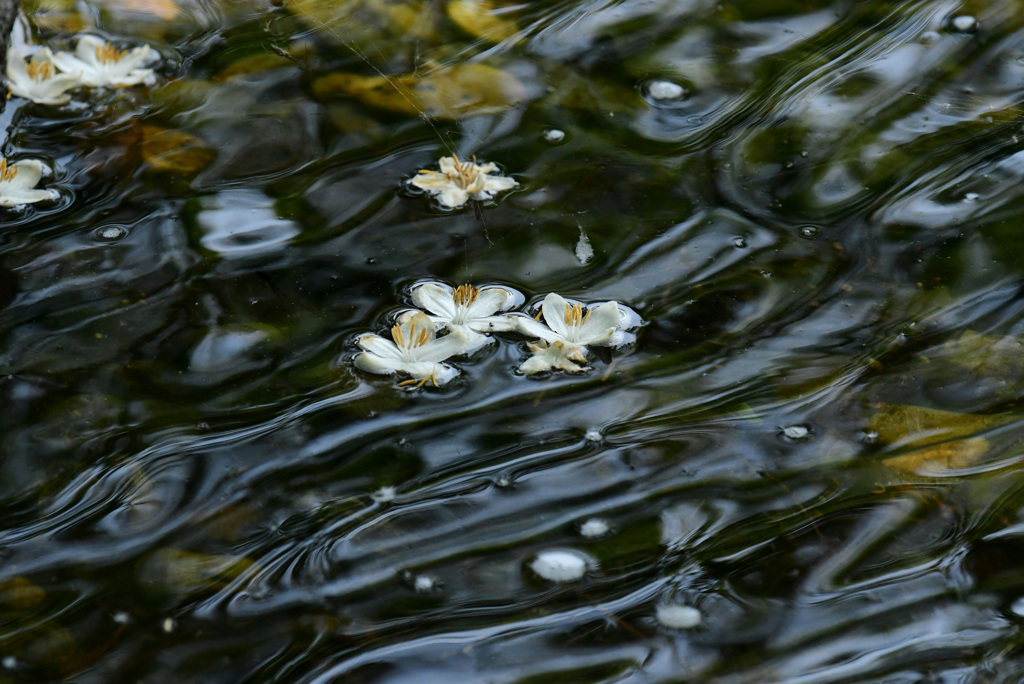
466, 314
46, 77
460, 181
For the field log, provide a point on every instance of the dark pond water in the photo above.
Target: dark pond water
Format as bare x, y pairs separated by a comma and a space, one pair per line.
807, 467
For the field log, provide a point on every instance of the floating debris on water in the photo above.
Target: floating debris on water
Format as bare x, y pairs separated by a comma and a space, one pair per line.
595, 527
554, 135
796, 432
676, 616
665, 90
584, 251
559, 566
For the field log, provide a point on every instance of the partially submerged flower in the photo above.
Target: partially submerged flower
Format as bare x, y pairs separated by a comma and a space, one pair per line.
414, 351
98, 63
568, 331
37, 79
18, 182
466, 309
457, 182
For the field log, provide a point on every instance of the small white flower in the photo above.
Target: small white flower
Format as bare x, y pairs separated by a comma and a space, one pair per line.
98, 63
466, 309
457, 182
568, 331
18, 182
415, 351
37, 80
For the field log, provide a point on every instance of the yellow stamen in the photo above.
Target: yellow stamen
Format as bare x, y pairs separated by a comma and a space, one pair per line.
574, 315
465, 295
419, 382
539, 314
40, 70
423, 338
109, 54
7, 173
396, 333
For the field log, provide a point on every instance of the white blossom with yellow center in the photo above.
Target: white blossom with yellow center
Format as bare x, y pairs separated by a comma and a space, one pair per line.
414, 350
566, 332
458, 182
18, 182
37, 79
98, 63
467, 309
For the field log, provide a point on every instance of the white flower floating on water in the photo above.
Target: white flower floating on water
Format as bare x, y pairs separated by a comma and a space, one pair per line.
467, 309
97, 63
37, 80
415, 351
18, 182
563, 341
457, 182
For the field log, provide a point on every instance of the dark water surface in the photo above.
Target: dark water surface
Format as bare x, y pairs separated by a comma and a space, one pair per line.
815, 440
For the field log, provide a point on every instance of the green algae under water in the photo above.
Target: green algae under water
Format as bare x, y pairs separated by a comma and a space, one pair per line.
815, 440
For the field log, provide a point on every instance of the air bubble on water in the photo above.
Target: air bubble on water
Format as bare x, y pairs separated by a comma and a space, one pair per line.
972, 197
10, 662
963, 23
676, 616
553, 135
592, 435
664, 91
929, 37
593, 528
425, 584
796, 432
739, 242
803, 153
809, 232
111, 233
121, 618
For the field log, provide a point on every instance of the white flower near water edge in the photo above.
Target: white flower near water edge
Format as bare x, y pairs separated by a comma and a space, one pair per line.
98, 63
566, 332
37, 79
415, 351
467, 309
458, 182
18, 182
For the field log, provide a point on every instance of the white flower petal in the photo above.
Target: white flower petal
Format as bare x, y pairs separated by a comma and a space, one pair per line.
493, 324
490, 300
442, 348
453, 197
499, 183
372, 363
378, 346
555, 355
17, 67
29, 173
86, 48
533, 328
435, 298
601, 324
555, 308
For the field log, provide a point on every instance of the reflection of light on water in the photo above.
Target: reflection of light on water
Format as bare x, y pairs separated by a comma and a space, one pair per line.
240, 223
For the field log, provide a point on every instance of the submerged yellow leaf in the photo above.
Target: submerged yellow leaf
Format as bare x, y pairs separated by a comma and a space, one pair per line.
481, 19
450, 93
159, 9
917, 426
958, 453
170, 151
943, 439
182, 572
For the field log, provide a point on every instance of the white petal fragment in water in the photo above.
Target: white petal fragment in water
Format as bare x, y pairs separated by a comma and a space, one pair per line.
559, 566
458, 182
676, 616
665, 90
595, 527
584, 250
97, 63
